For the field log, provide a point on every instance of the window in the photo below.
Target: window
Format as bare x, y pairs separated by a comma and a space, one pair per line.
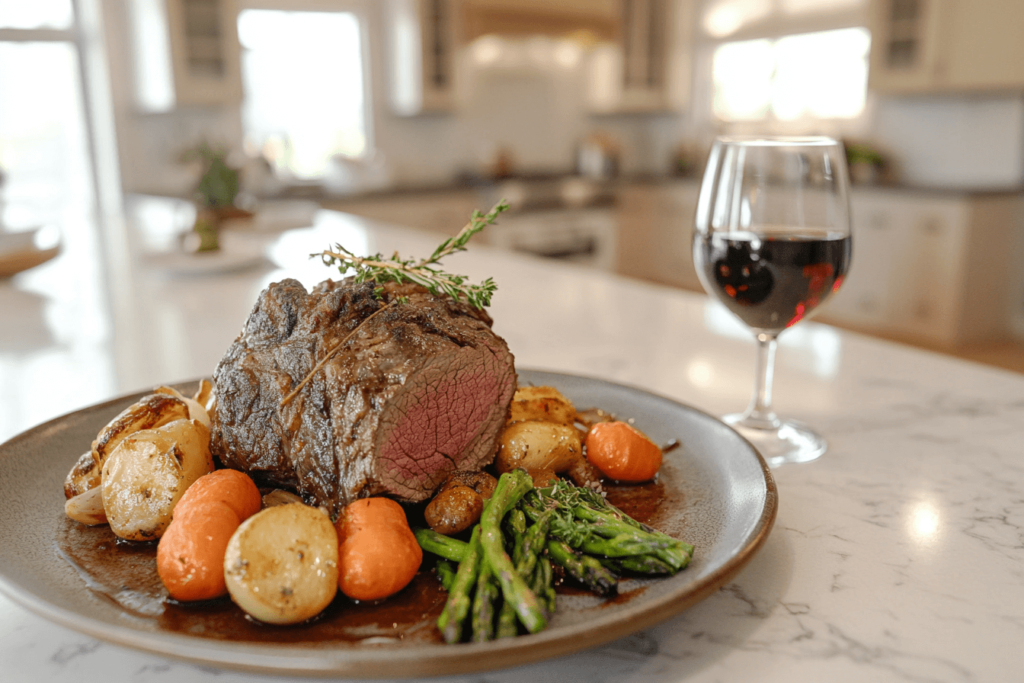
787, 60
812, 75
304, 88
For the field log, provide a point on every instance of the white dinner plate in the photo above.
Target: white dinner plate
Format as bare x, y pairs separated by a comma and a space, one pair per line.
716, 490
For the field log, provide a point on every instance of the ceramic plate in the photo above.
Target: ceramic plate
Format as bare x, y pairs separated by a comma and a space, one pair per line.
717, 493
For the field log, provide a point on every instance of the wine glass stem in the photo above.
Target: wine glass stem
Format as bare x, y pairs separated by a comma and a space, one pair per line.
760, 412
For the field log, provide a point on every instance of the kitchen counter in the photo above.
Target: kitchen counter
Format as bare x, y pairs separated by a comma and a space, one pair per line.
895, 557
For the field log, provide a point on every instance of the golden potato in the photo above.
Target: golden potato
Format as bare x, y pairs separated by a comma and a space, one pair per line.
542, 404
148, 472
281, 565
538, 446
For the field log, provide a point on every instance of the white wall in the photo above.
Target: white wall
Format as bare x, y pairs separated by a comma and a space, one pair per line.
974, 142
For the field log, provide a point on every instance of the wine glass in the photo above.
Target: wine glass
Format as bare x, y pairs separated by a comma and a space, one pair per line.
772, 242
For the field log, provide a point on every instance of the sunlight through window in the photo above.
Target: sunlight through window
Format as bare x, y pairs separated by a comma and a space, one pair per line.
807, 76
304, 88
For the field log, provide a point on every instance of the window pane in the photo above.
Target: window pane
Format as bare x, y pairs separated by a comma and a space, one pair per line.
822, 75
63, 339
743, 80
43, 144
35, 14
303, 78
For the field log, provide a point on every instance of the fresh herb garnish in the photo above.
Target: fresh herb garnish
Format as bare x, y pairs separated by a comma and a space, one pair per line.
425, 272
399, 270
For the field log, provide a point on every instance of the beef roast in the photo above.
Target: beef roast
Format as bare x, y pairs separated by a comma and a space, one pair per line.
414, 393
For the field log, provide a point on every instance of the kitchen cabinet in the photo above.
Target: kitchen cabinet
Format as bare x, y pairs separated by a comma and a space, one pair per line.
655, 232
942, 270
929, 46
648, 69
929, 268
421, 41
186, 53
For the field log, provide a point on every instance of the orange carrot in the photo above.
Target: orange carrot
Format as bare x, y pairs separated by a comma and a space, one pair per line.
377, 552
231, 487
190, 557
622, 452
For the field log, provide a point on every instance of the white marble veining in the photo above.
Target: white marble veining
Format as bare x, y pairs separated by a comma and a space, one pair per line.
898, 556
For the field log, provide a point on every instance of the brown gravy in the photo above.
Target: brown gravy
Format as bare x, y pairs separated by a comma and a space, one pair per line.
125, 574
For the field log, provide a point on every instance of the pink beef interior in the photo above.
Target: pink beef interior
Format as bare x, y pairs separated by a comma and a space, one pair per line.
436, 425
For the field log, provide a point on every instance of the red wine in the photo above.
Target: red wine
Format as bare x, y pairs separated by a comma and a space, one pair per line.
772, 281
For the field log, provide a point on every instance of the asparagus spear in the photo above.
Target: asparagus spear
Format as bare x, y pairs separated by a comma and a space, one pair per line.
533, 543
511, 487
517, 527
487, 593
443, 546
638, 564
507, 622
542, 584
458, 604
589, 523
587, 570
446, 573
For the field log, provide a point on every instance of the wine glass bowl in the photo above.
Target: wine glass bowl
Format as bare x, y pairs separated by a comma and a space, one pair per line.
772, 242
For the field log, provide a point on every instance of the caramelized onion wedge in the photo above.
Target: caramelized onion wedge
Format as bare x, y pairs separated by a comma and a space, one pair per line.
87, 507
196, 409
148, 472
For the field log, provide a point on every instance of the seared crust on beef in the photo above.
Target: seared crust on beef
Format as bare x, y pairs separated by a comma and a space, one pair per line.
417, 392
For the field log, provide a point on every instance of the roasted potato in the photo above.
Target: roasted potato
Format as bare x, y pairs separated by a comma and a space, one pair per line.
538, 446
459, 501
148, 472
281, 565
541, 404
453, 510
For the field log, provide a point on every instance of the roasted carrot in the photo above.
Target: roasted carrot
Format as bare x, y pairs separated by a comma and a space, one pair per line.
377, 552
622, 452
231, 487
190, 557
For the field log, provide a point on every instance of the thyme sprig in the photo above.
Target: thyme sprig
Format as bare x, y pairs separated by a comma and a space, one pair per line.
424, 272
399, 270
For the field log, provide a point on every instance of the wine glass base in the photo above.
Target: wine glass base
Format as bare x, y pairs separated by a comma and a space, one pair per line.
787, 441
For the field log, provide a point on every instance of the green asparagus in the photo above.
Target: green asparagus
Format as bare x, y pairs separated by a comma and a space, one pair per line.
511, 487
455, 610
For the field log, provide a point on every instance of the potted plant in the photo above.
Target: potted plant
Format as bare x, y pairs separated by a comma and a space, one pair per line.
215, 194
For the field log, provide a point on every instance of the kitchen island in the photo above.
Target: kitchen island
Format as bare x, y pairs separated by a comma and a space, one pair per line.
895, 557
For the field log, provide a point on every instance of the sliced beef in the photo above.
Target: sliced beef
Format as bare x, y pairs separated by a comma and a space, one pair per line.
414, 393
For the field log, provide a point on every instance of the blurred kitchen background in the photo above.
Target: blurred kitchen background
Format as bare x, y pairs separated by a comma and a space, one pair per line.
593, 117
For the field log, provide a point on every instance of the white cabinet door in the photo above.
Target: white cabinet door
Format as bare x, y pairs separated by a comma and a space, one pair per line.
930, 275
946, 45
865, 299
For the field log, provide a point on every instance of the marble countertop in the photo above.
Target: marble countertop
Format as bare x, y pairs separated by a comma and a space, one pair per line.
898, 556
